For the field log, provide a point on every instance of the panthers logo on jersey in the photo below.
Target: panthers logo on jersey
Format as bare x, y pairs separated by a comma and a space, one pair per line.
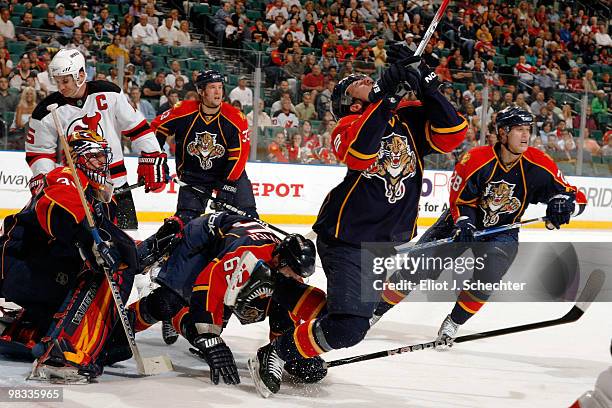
205, 148
396, 162
498, 199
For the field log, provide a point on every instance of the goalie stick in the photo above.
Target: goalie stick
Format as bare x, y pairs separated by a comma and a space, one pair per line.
587, 296
148, 366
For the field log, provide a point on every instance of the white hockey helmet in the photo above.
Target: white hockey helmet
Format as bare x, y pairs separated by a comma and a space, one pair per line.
67, 62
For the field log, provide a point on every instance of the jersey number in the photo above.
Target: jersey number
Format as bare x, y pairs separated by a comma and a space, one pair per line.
101, 102
455, 181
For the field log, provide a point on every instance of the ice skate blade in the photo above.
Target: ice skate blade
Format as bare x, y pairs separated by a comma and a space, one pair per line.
261, 388
57, 375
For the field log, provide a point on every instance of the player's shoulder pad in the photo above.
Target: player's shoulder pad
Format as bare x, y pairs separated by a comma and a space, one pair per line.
102, 86
540, 158
40, 111
185, 107
476, 158
62, 190
234, 115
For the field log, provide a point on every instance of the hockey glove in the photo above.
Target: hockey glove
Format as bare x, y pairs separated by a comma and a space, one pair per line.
107, 256
394, 81
464, 230
153, 171
559, 210
398, 52
37, 183
429, 80
226, 194
219, 357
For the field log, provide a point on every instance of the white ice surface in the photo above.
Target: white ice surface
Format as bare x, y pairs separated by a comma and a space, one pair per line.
543, 368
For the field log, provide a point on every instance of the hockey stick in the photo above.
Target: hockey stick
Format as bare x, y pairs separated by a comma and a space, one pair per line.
126, 189
587, 296
148, 366
229, 207
431, 29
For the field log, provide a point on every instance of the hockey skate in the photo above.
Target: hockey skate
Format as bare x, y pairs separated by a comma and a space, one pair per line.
306, 370
446, 334
266, 369
169, 335
54, 367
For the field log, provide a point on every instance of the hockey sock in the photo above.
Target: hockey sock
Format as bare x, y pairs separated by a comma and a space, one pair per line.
467, 305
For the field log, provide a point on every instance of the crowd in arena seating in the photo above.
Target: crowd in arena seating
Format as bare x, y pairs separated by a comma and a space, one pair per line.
537, 56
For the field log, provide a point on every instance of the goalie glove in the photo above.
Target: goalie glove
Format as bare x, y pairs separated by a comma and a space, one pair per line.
559, 210
219, 357
153, 171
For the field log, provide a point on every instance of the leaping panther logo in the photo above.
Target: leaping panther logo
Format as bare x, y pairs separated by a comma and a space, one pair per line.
205, 148
396, 162
498, 199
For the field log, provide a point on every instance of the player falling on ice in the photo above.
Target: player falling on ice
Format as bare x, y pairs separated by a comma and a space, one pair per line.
102, 107
493, 186
212, 148
51, 268
228, 264
383, 145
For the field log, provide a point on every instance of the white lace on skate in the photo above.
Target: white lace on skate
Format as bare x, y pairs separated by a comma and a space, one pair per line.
448, 330
168, 333
272, 364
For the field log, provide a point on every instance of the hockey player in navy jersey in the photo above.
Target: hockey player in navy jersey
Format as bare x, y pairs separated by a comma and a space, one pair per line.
102, 107
223, 257
493, 186
383, 142
52, 268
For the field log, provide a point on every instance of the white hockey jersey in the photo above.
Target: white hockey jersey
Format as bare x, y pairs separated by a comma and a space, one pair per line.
105, 109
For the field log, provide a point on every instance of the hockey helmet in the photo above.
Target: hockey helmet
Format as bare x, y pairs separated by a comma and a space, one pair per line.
207, 77
67, 62
512, 116
92, 155
340, 101
298, 253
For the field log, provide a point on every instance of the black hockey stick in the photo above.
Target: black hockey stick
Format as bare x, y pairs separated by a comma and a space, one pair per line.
589, 293
229, 207
131, 187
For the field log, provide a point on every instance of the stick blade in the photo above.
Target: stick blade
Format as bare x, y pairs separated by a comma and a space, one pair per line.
52, 107
157, 365
591, 289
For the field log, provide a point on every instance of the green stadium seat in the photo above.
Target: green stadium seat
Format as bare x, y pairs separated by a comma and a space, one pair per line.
214, 10
459, 85
160, 50
114, 10
195, 65
602, 169
37, 22
103, 67
197, 52
445, 52
499, 60
254, 14
160, 63
217, 66
39, 12
16, 20
179, 52
505, 50
597, 135
19, 9
16, 47
51, 3
8, 117
512, 61
603, 119
200, 9
567, 168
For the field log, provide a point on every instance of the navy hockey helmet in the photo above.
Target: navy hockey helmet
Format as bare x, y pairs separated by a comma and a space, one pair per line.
207, 77
513, 116
298, 253
340, 101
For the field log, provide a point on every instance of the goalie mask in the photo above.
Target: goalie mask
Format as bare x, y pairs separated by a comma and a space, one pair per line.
92, 155
298, 253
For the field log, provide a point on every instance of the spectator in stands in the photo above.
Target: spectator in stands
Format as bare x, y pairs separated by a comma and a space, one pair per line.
141, 105
263, 119
167, 33
152, 18
117, 49
567, 116
314, 81
82, 17
591, 122
544, 80
286, 116
242, 93
294, 148
443, 72
152, 88
277, 149
458, 71
143, 32
50, 23
183, 38
63, 20
25, 107
6, 64
21, 73
7, 29
588, 83
591, 145
606, 151
305, 110
221, 19
538, 103
599, 103
575, 80
8, 100
547, 131
175, 72
25, 31
179, 86
47, 83
173, 99
277, 8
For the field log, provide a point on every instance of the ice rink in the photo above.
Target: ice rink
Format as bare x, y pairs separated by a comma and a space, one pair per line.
543, 368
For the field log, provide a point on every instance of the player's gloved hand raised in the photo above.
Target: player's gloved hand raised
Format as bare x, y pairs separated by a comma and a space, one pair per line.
559, 210
225, 193
464, 230
153, 171
394, 81
219, 357
429, 80
397, 52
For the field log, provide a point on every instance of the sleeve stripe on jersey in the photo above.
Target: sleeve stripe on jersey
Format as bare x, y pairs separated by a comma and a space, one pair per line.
344, 203
198, 288
163, 131
118, 169
49, 210
447, 137
230, 121
363, 122
235, 149
567, 187
137, 131
453, 129
361, 156
31, 157
76, 218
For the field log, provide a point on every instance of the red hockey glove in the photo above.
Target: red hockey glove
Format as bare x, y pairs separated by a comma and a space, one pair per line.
37, 183
153, 170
